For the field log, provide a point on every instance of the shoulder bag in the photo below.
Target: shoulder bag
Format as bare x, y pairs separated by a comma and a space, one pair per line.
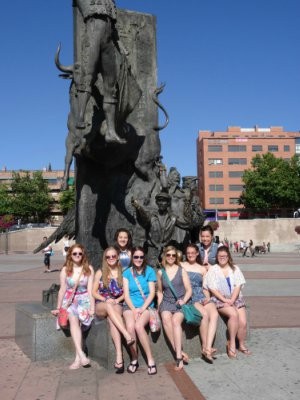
191, 315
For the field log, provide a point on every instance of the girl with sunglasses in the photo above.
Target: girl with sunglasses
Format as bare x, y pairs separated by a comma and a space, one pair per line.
108, 292
139, 290
169, 307
201, 300
123, 242
77, 273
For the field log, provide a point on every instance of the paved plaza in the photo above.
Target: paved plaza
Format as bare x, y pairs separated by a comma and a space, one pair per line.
271, 373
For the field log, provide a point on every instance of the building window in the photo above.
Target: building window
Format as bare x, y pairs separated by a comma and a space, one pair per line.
214, 147
237, 161
216, 188
297, 149
237, 147
236, 188
256, 147
234, 200
215, 161
272, 148
52, 181
286, 147
235, 174
216, 200
215, 174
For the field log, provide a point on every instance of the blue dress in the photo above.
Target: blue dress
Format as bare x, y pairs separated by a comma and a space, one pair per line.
196, 282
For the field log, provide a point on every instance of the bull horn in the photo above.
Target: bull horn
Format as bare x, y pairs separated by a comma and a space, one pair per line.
68, 69
155, 95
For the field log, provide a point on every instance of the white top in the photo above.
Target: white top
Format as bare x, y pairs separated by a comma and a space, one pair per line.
215, 280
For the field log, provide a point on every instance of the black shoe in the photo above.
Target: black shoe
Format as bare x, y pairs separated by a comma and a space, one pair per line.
132, 367
152, 370
119, 367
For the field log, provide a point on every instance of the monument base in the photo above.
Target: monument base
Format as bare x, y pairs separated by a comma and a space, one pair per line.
37, 337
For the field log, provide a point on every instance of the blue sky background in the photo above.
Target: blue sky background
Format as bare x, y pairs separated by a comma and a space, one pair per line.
224, 62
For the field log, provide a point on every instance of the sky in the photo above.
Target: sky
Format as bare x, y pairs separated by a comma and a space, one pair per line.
224, 63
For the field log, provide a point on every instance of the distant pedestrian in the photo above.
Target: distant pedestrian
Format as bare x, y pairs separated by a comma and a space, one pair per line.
269, 247
47, 254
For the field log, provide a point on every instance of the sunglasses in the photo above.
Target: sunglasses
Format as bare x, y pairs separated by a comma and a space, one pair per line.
113, 257
76, 254
171, 255
138, 257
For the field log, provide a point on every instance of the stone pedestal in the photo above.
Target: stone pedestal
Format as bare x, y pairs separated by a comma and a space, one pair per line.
36, 334
38, 338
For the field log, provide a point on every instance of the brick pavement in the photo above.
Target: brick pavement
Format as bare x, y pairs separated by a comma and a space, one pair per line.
22, 379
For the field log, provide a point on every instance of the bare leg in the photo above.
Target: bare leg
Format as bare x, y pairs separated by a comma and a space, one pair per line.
166, 317
80, 358
140, 324
203, 329
116, 338
130, 326
114, 313
177, 320
213, 323
242, 330
232, 324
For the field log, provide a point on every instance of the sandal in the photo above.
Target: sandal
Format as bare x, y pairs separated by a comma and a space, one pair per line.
132, 367
207, 356
84, 361
185, 358
178, 362
119, 367
231, 353
130, 342
245, 351
150, 368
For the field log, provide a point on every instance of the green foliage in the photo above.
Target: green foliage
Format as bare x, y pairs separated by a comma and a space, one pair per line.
5, 200
272, 183
67, 200
30, 197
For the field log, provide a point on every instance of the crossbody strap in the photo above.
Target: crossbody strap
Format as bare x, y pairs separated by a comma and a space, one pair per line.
138, 284
165, 275
74, 290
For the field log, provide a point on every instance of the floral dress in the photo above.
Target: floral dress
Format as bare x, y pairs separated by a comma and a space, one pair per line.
113, 291
80, 305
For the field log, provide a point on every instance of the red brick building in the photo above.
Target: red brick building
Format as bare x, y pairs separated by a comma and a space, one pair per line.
222, 158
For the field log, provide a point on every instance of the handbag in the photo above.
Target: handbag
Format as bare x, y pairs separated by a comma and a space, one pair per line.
63, 318
154, 321
192, 316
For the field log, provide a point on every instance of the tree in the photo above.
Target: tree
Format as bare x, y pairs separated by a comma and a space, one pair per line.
5, 200
31, 198
67, 199
272, 183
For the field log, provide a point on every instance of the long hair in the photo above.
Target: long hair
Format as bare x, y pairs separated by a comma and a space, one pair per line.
195, 247
129, 243
106, 268
84, 260
165, 251
144, 264
226, 250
